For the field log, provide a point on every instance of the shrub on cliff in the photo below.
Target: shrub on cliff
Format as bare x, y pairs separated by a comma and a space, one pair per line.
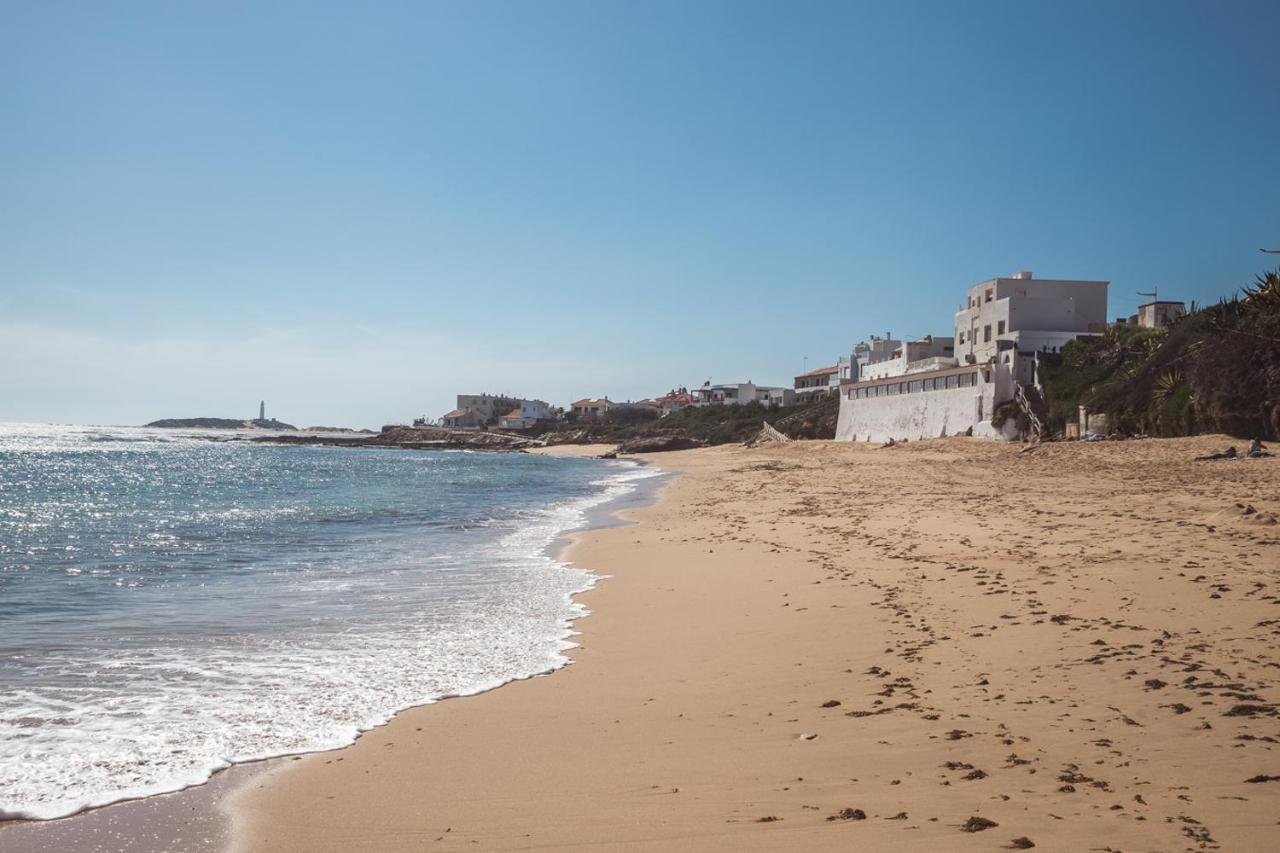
1215, 370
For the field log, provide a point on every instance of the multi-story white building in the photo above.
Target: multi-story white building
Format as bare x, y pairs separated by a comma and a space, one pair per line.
591, 407
873, 352
1026, 314
928, 353
525, 415
741, 393
824, 380
1005, 323
476, 411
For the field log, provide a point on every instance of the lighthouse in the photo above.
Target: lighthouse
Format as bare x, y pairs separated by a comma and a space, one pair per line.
262, 410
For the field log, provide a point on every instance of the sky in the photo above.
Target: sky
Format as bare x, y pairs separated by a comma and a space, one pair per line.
356, 211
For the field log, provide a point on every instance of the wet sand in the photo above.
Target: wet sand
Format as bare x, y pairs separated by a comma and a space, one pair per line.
951, 645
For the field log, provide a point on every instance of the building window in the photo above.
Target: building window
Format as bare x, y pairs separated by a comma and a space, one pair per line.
952, 381
988, 295
916, 387
986, 334
1000, 327
966, 379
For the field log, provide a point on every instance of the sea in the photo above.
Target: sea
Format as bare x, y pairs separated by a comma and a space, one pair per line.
175, 602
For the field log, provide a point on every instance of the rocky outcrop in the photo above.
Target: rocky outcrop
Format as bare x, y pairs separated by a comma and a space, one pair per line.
569, 436
427, 437
415, 438
660, 443
339, 430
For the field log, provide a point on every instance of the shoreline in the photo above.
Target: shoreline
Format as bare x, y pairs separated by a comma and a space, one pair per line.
196, 817
950, 644
816, 646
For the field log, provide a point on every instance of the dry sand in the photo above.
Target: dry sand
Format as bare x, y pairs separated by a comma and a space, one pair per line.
1076, 643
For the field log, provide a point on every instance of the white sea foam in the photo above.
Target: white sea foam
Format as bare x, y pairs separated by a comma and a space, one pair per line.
191, 710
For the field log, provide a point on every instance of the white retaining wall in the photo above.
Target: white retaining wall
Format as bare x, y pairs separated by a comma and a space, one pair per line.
928, 414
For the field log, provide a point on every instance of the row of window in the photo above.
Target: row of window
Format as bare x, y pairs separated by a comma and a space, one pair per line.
915, 386
975, 301
986, 333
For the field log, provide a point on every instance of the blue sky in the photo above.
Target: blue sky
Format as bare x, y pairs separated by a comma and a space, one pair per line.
358, 210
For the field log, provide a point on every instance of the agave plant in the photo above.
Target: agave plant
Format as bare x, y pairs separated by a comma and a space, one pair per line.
1166, 384
1265, 292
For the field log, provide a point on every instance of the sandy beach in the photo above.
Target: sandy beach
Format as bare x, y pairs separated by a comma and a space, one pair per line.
952, 645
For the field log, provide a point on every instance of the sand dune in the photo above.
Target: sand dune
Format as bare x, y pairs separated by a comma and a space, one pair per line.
952, 645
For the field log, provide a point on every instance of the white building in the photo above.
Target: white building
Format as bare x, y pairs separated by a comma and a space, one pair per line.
951, 401
591, 407
920, 392
824, 380
1026, 314
928, 353
741, 393
525, 415
1153, 315
878, 350
476, 411
776, 397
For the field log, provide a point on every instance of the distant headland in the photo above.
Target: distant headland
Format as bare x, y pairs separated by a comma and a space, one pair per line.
221, 423
260, 422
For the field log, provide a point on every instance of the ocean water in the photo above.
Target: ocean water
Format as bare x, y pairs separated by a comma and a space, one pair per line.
170, 605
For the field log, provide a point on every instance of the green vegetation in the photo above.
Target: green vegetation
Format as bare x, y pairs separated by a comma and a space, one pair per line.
1006, 410
1215, 370
710, 424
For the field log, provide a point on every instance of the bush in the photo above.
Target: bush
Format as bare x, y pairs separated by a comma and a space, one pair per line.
1217, 370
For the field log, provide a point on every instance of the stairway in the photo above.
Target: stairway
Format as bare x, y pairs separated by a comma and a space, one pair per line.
1033, 406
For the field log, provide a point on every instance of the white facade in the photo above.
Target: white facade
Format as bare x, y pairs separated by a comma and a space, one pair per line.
741, 393
475, 411
1153, 315
928, 353
873, 352
1027, 314
824, 380
592, 407
777, 397
926, 405
526, 415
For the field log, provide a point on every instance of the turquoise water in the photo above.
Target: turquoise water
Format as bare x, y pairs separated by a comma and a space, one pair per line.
169, 605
